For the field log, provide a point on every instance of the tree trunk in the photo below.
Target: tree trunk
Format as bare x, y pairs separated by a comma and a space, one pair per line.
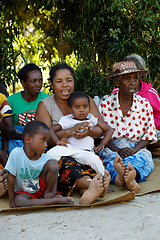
61, 35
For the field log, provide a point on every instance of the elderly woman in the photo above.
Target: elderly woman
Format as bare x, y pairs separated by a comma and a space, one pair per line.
131, 117
72, 175
146, 90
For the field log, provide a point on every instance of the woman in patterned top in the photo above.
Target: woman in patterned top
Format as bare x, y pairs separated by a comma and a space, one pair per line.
131, 117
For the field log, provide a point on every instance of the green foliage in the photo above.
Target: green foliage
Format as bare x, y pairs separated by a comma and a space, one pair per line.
87, 81
8, 55
98, 32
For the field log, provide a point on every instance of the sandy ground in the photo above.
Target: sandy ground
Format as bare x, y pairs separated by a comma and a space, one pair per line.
137, 219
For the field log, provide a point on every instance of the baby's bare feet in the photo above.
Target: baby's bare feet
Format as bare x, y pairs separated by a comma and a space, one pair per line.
129, 178
106, 181
95, 189
119, 166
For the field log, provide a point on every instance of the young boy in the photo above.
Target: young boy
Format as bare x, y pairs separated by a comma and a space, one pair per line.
32, 175
82, 150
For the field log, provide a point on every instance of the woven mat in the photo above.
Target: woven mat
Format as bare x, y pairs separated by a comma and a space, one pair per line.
119, 195
153, 181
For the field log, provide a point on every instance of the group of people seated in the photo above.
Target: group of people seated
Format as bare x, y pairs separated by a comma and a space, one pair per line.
48, 142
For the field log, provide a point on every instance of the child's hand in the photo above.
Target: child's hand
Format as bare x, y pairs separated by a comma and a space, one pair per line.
100, 147
62, 142
12, 204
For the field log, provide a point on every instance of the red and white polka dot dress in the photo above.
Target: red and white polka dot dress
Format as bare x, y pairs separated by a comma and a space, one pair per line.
137, 125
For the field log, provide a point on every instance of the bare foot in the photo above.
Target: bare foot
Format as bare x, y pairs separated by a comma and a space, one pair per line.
106, 181
3, 187
119, 166
3, 174
129, 178
48, 195
63, 200
110, 189
95, 189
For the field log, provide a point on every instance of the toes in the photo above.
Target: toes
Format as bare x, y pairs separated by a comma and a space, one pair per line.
117, 158
98, 176
130, 167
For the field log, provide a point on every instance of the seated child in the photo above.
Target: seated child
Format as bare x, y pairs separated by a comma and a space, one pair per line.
32, 175
82, 150
7, 131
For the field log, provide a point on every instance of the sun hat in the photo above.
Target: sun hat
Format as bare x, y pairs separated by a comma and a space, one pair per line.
139, 61
125, 67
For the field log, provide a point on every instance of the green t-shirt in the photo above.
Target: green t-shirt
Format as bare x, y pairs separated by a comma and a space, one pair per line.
23, 111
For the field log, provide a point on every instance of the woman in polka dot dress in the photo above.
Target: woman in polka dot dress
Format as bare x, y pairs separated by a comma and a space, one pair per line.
131, 117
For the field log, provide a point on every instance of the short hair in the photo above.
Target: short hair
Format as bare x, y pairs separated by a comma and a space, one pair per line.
59, 66
76, 95
32, 127
23, 73
139, 61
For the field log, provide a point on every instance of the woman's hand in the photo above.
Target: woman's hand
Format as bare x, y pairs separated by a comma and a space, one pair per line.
81, 130
125, 152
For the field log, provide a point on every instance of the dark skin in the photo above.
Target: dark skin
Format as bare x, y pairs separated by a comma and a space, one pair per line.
63, 85
32, 87
153, 146
80, 109
150, 147
127, 86
7, 132
34, 146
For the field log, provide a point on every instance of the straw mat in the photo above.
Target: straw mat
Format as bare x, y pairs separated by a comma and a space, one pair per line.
119, 195
153, 181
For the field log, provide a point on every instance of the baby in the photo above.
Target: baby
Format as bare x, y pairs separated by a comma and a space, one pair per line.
82, 150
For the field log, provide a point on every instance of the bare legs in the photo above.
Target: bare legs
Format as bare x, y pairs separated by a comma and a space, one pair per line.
90, 190
119, 166
49, 175
3, 158
3, 182
125, 176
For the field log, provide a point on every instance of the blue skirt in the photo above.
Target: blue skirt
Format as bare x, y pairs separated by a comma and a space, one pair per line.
15, 143
142, 160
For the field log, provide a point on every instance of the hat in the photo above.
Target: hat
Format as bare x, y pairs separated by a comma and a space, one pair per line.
125, 67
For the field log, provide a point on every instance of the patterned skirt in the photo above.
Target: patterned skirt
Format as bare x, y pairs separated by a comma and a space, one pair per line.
70, 171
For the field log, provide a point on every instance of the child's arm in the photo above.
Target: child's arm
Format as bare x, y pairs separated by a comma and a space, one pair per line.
4, 144
52, 131
107, 135
11, 180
